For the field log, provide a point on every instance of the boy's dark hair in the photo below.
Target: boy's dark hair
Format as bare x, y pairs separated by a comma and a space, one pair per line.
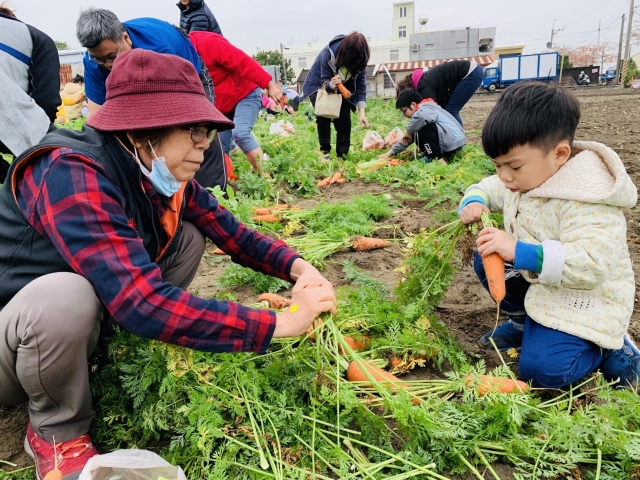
407, 97
353, 53
533, 113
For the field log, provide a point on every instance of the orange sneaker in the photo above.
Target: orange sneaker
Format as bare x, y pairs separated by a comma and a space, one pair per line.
69, 457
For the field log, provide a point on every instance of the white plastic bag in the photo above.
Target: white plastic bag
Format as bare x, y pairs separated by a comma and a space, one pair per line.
372, 141
282, 128
394, 137
130, 465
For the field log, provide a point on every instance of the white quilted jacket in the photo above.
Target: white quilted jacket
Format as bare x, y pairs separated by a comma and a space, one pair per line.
586, 286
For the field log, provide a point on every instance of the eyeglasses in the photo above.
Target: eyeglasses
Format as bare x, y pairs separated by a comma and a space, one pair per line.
200, 133
404, 109
104, 61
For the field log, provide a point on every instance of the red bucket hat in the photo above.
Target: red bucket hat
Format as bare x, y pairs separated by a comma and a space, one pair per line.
147, 90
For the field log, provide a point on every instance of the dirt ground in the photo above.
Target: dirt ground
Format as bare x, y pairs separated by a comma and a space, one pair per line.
610, 116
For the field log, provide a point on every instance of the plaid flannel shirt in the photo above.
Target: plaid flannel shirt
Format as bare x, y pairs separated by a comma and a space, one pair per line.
69, 199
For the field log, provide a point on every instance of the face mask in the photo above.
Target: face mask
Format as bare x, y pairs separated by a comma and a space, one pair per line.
160, 176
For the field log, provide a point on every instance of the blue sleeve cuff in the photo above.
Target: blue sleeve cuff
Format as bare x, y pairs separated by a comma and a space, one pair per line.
528, 257
471, 199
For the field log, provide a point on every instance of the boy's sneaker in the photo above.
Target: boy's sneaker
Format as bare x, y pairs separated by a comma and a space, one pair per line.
623, 364
69, 457
508, 335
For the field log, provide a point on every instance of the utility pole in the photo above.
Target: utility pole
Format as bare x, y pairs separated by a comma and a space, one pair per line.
627, 51
594, 60
284, 66
618, 65
553, 33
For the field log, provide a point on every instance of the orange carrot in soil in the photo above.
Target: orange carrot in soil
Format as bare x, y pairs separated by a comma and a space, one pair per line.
335, 177
275, 301
395, 361
343, 90
324, 182
362, 244
357, 345
284, 206
494, 270
355, 374
261, 211
341, 180
270, 218
492, 384
217, 251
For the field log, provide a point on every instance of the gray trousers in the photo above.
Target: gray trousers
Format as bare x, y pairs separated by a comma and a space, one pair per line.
47, 333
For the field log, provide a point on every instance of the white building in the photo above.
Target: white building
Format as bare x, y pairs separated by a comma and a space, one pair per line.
388, 49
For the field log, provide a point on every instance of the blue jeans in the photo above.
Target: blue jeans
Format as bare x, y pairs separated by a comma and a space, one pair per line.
244, 116
549, 358
463, 92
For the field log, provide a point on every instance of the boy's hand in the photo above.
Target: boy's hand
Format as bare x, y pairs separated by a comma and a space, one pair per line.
472, 212
407, 138
386, 155
493, 240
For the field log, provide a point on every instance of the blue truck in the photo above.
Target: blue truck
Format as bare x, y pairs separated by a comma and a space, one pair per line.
506, 71
608, 76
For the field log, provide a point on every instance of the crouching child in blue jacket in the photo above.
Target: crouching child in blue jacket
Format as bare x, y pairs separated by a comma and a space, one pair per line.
436, 133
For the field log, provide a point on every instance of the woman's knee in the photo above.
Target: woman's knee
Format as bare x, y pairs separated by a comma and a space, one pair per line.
244, 138
65, 303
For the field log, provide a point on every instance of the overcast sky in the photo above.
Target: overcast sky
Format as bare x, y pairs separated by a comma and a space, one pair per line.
250, 23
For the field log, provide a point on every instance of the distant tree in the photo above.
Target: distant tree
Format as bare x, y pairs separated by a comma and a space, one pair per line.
273, 57
565, 61
585, 55
632, 71
62, 45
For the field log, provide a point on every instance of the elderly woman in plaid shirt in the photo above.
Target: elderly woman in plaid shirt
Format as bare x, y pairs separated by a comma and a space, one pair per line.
109, 221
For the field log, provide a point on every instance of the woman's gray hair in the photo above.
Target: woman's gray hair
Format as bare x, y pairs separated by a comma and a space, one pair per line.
96, 25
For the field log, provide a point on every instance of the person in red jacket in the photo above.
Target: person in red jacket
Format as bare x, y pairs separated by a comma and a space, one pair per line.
239, 81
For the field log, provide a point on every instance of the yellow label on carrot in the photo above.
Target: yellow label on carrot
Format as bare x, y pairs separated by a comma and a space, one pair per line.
293, 308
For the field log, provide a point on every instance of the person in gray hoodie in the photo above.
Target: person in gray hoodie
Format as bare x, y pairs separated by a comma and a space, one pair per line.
434, 130
30, 83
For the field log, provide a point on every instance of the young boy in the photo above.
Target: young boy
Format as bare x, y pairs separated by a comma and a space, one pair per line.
571, 294
434, 130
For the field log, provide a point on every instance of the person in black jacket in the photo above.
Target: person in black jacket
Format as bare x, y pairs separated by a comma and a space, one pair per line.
343, 61
195, 16
450, 84
30, 84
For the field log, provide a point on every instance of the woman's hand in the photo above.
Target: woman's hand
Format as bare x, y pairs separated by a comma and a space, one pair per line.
307, 304
335, 81
306, 275
472, 213
274, 91
364, 123
493, 240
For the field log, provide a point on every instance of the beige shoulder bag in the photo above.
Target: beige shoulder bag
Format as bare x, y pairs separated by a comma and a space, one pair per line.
328, 104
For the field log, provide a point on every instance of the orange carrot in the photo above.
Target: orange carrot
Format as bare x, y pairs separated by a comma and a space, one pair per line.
324, 182
316, 323
393, 162
395, 361
270, 218
343, 90
357, 345
217, 251
494, 270
261, 211
341, 180
275, 301
335, 177
492, 384
362, 244
355, 374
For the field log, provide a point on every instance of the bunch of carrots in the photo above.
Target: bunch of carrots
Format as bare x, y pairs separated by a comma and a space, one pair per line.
336, 178
271, 214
